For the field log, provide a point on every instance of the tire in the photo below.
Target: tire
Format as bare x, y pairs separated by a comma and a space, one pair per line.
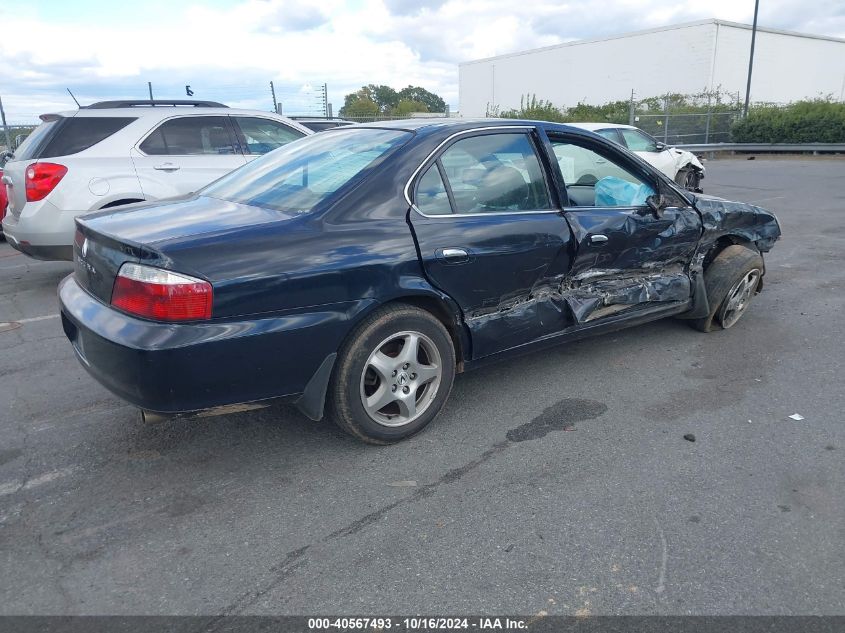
736, 274
689, 178
376, 366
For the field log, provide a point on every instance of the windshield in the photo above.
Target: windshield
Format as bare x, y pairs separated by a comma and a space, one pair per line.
297, 177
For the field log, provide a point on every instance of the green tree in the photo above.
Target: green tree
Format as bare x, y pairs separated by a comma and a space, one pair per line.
384, 97
360, 108
433, 102
404, 108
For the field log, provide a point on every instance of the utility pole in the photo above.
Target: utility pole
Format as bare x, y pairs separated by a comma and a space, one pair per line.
273, 92
751, 59
150, 88
631, 109
5, 127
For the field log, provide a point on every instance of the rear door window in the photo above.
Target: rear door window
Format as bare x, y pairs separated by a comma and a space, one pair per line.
495, 173
79, 133
262, 135
432, 198
190, 136
611, 135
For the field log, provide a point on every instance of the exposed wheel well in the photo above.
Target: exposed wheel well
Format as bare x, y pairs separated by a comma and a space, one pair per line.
440, 310
722, 243
117, 203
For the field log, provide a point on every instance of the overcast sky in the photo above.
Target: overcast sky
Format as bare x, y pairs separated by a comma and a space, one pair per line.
229, 50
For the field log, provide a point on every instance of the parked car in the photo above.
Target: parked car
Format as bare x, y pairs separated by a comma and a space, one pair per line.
680, 165
320, 124
119, 152
360, 269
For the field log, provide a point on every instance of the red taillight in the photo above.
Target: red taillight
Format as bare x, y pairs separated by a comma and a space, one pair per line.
154, 293
41, 179
4, 197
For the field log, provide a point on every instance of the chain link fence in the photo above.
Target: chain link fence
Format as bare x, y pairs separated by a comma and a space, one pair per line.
688, 128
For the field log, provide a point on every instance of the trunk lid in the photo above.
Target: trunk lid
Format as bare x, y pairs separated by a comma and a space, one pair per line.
98, 257
179, 218
162, 234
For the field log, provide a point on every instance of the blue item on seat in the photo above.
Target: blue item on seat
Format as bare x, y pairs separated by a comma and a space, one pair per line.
615, 192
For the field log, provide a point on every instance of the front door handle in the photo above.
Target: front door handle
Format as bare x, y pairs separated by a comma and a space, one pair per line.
597, 239
166, 167
452, 255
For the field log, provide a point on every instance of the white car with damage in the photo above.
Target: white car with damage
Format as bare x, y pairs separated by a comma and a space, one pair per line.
680, 165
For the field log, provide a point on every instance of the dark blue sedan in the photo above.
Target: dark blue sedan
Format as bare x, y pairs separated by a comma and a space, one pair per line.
358, 270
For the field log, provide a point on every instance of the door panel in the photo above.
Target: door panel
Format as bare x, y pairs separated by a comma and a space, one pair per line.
506, 283
184, 154
626, 257
503, 256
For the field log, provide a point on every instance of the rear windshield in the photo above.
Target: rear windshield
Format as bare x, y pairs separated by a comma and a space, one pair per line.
300, 175
79, 133
66, 136
34, 141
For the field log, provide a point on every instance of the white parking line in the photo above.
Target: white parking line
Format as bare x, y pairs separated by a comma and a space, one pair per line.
11, 487
39, 318
10, 325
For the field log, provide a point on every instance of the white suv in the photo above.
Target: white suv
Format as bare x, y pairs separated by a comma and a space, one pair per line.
119, 152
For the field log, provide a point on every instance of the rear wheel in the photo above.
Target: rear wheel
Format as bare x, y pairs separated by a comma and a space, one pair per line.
732, 280
393, 375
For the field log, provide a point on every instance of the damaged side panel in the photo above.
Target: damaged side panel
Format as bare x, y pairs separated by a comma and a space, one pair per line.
575, 302
639, 261
723, 217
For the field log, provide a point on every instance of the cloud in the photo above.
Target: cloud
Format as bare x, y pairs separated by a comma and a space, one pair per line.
231, 52
293, 16
412, 7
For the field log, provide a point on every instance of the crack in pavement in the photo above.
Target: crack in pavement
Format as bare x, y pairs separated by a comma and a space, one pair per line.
551, 419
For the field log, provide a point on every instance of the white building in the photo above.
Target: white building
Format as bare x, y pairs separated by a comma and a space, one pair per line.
684, 58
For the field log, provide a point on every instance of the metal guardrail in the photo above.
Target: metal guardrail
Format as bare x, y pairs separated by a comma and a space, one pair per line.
765, 147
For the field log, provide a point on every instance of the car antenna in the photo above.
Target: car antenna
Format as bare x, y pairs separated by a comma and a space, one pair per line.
72, 97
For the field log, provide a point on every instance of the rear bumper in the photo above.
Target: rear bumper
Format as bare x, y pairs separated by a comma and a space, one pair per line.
42, 231
177, 368
47, 253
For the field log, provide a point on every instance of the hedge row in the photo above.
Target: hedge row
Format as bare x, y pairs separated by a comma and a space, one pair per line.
816, 121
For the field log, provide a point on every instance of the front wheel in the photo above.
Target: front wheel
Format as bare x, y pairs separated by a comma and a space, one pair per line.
393, 375
689, 178
732, 280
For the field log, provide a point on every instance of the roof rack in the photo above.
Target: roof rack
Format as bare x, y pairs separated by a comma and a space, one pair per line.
102, 105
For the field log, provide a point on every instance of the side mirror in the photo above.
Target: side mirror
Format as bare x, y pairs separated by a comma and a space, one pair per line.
657, 203
659, 146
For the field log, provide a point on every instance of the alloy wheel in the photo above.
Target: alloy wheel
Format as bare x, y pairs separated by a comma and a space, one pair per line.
401, 378
739, 297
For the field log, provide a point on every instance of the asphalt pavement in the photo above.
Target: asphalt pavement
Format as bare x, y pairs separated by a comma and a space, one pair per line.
496, 507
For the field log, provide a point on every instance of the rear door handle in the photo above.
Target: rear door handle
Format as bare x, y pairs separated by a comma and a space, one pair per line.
598, 239
166, 167
452, 255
